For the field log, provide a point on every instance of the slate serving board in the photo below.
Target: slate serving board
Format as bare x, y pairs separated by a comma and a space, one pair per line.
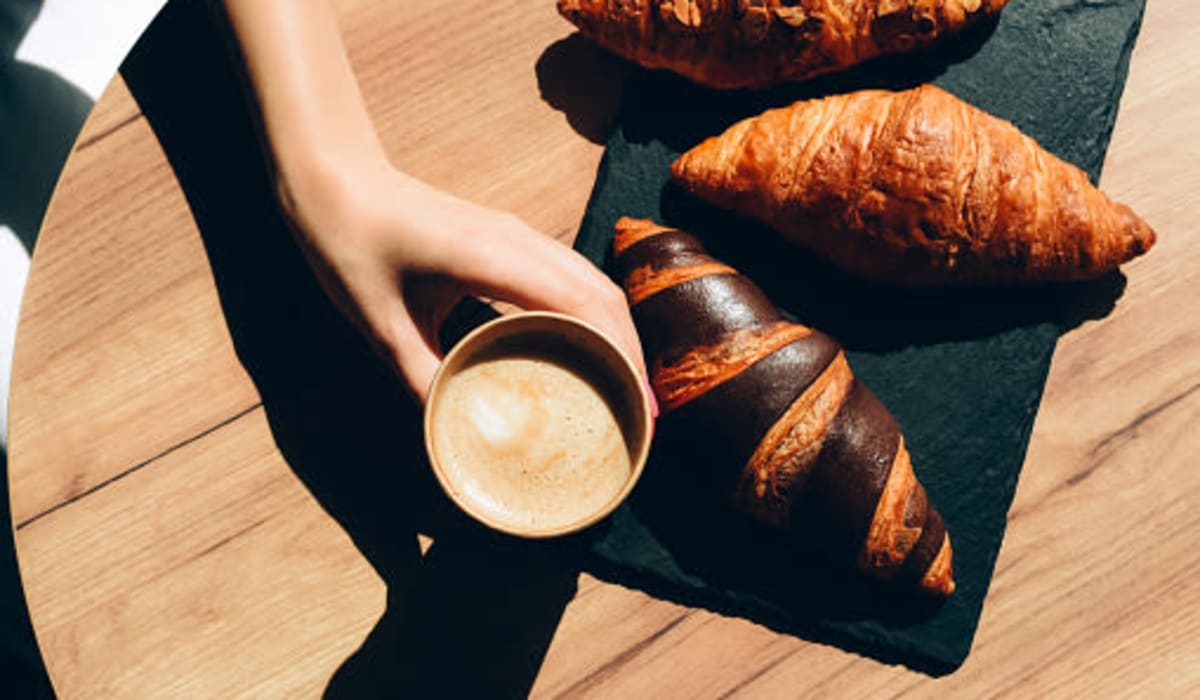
961, 370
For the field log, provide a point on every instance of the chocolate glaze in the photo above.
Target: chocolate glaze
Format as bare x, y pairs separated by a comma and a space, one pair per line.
668, 249
849, 475
699, 312
925, 551
915, 507
681, 261
736, 414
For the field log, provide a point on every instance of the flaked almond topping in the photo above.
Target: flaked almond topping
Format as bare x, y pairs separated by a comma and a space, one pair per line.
791, 16
685, 12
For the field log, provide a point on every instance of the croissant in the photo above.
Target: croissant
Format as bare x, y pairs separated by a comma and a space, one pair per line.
758, 43
914, 187
817, 455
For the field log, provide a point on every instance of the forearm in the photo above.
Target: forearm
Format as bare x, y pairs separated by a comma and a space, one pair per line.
316, 121
394, 254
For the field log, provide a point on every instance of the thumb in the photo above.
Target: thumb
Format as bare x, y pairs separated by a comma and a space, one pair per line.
411, 354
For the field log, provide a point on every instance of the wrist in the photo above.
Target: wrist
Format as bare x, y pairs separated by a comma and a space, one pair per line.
322, 191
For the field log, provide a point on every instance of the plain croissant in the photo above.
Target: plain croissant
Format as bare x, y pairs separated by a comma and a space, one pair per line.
758, 43
818, 456
915, 187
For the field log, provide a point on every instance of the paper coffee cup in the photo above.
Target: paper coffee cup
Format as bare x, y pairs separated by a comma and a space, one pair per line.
537, 424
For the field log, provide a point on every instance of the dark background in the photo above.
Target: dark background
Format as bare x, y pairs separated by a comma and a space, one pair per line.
40, 116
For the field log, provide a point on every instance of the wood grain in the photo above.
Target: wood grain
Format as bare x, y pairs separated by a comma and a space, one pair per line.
114, 110
95, 362
167, 548
211, 572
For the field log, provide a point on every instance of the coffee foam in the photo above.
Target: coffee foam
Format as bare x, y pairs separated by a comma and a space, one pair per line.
531, 442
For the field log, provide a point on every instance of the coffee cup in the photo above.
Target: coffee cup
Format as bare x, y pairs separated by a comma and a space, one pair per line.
537, 424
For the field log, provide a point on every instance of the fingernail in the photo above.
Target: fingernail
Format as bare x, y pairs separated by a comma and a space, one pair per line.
653, 401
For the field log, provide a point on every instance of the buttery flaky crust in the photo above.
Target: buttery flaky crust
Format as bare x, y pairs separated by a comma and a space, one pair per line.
803, 446
758, 43
915, 187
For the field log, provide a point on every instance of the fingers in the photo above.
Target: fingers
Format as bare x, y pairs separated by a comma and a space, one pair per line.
412, 330
446, 247
411, 354
519, 265
393, 324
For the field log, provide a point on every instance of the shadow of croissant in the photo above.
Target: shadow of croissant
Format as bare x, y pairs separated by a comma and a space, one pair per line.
475, 614
584, 82
710, 111
877, 317
580, 79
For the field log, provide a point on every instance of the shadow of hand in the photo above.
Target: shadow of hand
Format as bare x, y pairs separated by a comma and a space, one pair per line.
474, 621
477, 610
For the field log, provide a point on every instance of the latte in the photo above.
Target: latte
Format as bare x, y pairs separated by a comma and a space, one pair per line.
534, 435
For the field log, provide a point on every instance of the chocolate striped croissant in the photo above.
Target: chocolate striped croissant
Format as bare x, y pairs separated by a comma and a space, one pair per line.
819, 456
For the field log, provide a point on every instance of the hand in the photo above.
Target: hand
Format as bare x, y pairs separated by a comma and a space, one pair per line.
396, 255
393, 253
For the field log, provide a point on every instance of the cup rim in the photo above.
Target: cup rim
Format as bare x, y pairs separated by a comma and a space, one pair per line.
640, 457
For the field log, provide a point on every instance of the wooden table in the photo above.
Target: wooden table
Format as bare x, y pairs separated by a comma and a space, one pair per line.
168, 548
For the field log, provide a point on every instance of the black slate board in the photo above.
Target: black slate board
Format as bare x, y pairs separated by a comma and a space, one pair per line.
962, 370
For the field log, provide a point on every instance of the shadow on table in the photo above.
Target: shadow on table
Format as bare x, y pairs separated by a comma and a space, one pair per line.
475, 614
876, 317
581, 80
584, 82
